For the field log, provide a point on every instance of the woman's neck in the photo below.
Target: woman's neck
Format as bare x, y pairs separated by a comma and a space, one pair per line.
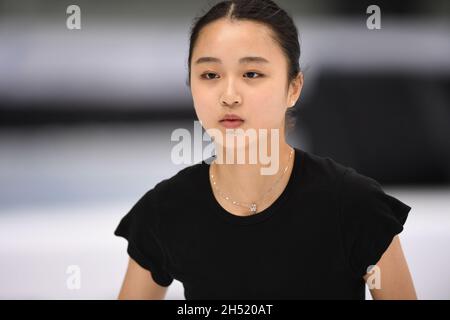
246, 182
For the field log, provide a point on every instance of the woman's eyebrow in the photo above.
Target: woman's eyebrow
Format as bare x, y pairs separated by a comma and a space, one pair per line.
241, 60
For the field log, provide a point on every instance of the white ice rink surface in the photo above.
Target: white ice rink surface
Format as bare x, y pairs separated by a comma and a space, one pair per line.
63, 194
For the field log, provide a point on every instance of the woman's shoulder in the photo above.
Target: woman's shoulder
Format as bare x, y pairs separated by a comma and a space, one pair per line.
183, 182
321, 171
325, 170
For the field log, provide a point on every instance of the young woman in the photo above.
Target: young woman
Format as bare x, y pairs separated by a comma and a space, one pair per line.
314, 229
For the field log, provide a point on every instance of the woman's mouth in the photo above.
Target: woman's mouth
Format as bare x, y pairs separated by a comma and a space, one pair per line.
231, 123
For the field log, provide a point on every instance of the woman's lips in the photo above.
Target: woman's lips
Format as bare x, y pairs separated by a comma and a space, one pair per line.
230, 124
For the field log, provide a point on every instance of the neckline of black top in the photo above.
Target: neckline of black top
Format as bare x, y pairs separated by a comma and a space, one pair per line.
267, 212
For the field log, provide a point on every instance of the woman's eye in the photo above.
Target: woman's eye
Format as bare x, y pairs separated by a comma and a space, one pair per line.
212, 75
255, 73
205, 75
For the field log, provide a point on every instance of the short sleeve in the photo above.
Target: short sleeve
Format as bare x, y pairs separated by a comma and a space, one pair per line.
369, 220
140, 227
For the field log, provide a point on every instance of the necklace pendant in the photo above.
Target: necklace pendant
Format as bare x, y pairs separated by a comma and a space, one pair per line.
253, 207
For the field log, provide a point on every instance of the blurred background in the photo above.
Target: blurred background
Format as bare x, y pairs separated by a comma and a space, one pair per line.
86, 117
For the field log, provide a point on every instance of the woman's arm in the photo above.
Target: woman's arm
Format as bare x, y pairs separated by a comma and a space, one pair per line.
139, 284
396, 281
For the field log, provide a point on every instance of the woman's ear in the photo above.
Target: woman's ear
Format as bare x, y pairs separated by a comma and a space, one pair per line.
295, 89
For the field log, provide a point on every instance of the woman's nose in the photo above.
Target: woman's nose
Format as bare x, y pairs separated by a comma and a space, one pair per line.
230, 102
230, 96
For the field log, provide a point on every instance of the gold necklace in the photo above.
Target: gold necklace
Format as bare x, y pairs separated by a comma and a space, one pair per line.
251, 206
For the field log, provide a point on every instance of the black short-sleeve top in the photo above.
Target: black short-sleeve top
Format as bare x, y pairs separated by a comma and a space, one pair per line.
316, 241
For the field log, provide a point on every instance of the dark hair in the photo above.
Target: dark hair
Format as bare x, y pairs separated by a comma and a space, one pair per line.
263, 11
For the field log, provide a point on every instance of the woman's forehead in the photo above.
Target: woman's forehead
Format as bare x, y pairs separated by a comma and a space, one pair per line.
224, 30
242, 42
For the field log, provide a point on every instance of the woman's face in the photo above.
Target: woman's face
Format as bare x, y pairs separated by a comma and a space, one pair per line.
254, 90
